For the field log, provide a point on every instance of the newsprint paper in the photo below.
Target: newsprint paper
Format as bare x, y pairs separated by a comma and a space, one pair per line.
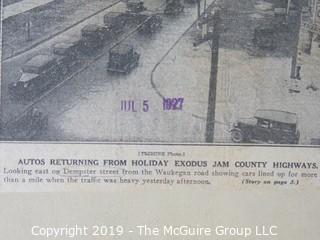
160, 120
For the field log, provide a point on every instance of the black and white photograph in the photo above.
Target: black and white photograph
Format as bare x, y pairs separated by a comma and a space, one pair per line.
161, 71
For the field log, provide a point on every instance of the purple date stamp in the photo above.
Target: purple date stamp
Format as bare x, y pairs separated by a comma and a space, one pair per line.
168, 104
172, 104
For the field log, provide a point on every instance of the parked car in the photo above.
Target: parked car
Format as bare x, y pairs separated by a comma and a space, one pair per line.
152, 22
135, 6
267, 126
93, 37
28, 127
67, 54
122, 59
37, 75
173, 7
264, 37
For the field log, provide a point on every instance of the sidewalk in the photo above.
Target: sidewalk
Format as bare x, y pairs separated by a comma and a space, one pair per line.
246, 82
23, 6
47, 20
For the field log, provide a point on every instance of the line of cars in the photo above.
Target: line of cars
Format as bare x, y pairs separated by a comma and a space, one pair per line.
43, 71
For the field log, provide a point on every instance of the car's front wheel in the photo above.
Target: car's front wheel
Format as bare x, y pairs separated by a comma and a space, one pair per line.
237, 136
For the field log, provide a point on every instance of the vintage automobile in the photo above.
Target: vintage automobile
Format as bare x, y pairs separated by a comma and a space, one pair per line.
37, 75
116, 21
152, 22
93, 37
173, 7
267, 126
27, 127
122, 59
67, 54
264, 37
135, 6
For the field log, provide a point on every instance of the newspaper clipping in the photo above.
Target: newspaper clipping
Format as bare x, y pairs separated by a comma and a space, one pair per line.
160, 119
182, 71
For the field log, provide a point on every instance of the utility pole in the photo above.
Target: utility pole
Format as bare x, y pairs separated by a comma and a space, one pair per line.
198, 7
295, 69
212, 23
213, 78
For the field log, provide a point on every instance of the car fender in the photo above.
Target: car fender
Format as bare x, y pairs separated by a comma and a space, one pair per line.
235, 129
246, 131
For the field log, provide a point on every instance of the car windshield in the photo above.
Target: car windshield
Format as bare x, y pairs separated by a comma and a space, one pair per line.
20, 85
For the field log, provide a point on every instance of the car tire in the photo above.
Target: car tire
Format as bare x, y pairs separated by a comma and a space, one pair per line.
237, 136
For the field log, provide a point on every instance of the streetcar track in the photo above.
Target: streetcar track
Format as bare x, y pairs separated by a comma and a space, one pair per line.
168, 52
86, 66
158, 92
92, 61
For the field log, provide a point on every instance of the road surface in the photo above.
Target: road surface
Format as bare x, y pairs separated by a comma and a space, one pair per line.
88, 106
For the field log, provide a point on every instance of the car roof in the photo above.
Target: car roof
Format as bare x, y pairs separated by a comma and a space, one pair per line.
67, 43
113, 14
277, 116
91, 28
64, 45
26, 77
147, 13
135, 1
40, 60
121, 49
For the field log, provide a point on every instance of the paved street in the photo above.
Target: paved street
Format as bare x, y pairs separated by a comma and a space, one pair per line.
11, 67
246, 81
86, 107
93, 100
